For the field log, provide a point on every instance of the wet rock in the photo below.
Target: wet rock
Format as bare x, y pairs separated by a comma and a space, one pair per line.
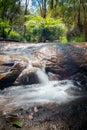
71, 116
53, 76
14, 67
36, 63
64, 60
28, 76
81, 77
19, 58
8, 78
10, 69
9, 60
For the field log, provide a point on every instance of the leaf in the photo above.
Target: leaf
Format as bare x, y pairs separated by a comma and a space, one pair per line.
18, 124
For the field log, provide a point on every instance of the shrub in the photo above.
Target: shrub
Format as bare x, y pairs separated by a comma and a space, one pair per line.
39, 29
14, 36
80, 38
4, 28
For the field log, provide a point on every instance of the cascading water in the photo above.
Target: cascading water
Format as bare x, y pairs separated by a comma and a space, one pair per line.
45, 92
43, 78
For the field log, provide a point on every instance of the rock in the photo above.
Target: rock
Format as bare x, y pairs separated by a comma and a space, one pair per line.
53, 76
35, 109
19, 58
28, 76
36, 63
4, 59
16, 69
8, 78
10, 69
64, 60
30, 117
5, 63
82, 78
9, 59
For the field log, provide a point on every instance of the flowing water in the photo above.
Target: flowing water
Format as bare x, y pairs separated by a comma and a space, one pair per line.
44, 92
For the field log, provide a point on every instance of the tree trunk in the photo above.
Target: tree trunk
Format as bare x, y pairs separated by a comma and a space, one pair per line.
85, 30
51, 4
83, 2
44, 8
25, 13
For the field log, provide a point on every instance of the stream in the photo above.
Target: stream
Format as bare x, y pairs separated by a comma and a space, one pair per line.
46, 91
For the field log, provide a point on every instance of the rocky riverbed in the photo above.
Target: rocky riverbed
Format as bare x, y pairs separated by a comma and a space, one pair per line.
71, 116
43, 86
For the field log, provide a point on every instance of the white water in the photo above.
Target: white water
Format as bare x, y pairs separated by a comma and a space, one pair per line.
43, 78
46, 92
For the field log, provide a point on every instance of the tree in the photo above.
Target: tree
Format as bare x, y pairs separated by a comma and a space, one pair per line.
72, 12
25, 13
10, 9
41, 5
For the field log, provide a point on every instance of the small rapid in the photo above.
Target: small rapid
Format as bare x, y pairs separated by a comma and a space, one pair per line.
43, 78
46, 92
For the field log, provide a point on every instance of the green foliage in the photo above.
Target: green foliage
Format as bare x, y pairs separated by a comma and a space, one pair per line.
17, 124
80, 38
39, 28
4, 23
6, 31
4, 28
14, 36
64, 39
16, 22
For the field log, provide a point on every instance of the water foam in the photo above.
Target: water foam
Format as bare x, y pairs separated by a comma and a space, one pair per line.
43, 78
51, 92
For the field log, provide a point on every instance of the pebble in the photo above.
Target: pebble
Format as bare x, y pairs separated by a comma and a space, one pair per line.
30, 117
35, 109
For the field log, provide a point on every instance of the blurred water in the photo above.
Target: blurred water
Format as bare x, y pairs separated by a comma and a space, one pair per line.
43, 78
50, 92
45, 92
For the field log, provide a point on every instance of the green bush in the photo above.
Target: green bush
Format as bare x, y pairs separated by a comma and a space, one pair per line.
39, 29
14, 36
4, 28
64, 39
80, 38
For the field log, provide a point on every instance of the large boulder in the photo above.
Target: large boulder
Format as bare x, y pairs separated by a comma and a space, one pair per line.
64, 60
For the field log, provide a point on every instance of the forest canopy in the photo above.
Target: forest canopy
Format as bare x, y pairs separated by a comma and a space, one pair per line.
43, 20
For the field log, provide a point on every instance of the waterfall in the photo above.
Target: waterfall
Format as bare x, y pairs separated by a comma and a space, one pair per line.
42, 76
